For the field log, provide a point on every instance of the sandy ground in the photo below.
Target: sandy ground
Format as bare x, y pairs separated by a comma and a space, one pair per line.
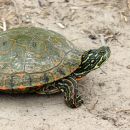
106, 92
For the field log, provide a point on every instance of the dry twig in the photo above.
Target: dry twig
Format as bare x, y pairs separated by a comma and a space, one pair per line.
128, 3
16, 10
93, 107
4, 27
124, 110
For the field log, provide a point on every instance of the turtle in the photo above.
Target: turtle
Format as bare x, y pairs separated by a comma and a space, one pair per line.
42, 61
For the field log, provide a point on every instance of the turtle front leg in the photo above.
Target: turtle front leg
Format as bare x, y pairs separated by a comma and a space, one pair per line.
70, 89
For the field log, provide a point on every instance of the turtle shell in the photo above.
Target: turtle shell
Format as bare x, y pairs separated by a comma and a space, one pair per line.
31, 57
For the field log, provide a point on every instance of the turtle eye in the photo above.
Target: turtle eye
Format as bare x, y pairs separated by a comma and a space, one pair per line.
34, 44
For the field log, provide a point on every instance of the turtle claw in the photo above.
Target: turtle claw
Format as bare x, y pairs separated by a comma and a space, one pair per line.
74, 103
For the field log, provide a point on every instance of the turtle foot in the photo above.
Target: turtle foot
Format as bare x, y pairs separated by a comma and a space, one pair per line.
74, 103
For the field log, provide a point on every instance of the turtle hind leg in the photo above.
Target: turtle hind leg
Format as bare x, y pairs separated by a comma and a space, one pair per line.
70, 89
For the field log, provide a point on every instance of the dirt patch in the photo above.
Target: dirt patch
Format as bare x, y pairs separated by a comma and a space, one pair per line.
106, 92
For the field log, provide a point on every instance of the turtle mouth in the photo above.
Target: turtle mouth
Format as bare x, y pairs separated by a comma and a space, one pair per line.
107, 52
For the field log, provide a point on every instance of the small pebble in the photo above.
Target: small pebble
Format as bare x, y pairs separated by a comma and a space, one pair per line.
105, 118
66, 0
60, 25
41, 3
128, 67
44, 119
101, 84
93, 37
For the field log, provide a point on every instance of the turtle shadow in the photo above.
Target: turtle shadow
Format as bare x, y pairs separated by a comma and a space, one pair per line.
29, 99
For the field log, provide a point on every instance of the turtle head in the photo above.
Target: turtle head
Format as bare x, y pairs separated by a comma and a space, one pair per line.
92, 60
